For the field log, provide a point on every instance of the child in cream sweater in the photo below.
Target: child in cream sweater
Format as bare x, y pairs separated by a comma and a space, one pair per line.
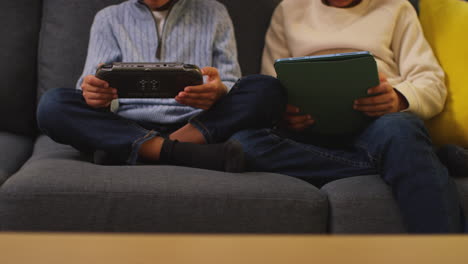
396, 145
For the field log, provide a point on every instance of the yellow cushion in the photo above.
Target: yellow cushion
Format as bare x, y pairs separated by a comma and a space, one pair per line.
445, 25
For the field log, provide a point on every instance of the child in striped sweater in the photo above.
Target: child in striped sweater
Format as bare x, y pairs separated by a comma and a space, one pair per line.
174, 130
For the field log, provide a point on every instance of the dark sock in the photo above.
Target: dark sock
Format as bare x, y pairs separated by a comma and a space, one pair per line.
455, 158
228, 156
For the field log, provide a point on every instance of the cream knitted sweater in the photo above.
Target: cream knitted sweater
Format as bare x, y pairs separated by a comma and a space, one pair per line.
389, 29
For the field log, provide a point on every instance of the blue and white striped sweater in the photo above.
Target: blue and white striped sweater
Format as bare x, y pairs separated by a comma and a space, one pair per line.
198, 32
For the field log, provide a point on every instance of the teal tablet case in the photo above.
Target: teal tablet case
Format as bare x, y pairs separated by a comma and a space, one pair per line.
326, 86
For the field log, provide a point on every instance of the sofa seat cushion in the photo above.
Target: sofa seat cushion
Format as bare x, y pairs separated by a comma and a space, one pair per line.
47, 149
16, 150
363, 204
59, 191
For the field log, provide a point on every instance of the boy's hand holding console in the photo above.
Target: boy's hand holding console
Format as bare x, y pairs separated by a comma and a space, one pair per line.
204, 95
97, 93
183, 82
335, 94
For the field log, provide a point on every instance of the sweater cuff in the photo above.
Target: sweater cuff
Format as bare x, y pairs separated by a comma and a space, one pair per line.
114, 106
229, 85
407, 90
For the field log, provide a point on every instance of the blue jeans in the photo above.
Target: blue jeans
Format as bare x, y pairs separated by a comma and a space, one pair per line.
396, 146
63, 115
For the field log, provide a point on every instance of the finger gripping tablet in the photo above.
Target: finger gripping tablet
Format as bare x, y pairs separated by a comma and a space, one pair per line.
326, 87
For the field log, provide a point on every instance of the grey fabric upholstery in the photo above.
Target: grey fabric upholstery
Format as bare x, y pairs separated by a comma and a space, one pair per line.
58, 191
65, 34
19, 30
46, 148
16, 150
362, 204
365, 204
251, 20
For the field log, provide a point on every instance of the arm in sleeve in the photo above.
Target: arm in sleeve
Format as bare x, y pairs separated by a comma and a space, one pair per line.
102, 47
225, 50
276, 46
423, 85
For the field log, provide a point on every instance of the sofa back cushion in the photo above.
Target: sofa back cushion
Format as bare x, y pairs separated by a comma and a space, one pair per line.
65, 34
19, 30
64, 40
251, 19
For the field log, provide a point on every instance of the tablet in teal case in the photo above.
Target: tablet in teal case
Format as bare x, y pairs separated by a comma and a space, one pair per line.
326, 86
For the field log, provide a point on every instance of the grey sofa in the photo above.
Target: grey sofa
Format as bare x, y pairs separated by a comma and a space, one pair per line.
45, 186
